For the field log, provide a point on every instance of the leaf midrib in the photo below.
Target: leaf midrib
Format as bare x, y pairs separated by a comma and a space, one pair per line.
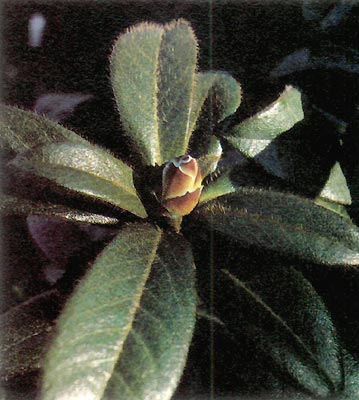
133, 312
271, 219
294, 227
277, 317
117, 184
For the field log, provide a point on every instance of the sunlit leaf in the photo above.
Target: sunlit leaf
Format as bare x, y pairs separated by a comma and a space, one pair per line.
22, 130
254, 134
338, 208
209, 161
223, 92
336, 188
86, 169
156, 349
98, 318
221, 186
152, 72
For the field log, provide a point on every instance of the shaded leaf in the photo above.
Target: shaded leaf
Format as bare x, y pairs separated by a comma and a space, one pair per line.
332, 58
97, 319
58, 240
253, 135
59, 106
314, 10
223, 91
22, 130
16, 206
86, 169
152, 72
284, 223
329, 15
24, 330
304, 155
336, 15
288, 322
340, 125
351, 373
156, 348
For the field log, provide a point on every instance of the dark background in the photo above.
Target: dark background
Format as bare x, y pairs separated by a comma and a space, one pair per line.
247, 39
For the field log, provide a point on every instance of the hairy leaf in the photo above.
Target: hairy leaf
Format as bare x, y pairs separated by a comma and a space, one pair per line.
156, 348
287, 321
152, 72
284, 223
98, 318
351, 373
24, 330
221, 186
222, 89
254, 134
13, 205
86, 169
22, 130
212, 154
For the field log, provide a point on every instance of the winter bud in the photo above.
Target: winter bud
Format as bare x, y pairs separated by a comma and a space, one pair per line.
181, 185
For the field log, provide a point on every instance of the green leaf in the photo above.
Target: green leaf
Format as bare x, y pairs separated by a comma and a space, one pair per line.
287, 321
254, 134
22, 130
24, 330
284, 223
336, 188
152, 73
224, 93
85, 169
221, 186
98, 318
209, 161
338, 208
156, 348
351, 372
16, 206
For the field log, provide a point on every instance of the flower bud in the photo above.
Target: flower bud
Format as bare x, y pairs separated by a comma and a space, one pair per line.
181, 185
